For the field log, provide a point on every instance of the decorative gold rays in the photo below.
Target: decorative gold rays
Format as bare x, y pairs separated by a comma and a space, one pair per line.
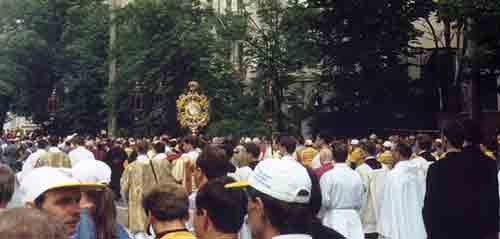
192, 109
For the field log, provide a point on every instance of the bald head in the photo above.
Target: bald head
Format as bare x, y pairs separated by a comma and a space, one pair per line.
325, 156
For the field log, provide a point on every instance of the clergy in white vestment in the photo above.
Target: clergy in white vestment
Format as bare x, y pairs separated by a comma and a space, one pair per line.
342, 191
403, 199
80, 152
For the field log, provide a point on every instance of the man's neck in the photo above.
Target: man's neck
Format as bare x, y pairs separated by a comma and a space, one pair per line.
219, 235
270, 232
161, 227
451, 148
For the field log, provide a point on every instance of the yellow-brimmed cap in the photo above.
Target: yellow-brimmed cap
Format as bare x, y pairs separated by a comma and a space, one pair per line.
240, 184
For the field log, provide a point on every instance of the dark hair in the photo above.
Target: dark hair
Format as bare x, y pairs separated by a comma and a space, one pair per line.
252, 149
404, 150
454, 133
226, 208
288, 142
424, 141
369, 148
325, 137
472, 132
78, 140
53, 141
340, 152
287, 218
159, 148
192, 140
167, 202
39, 201
141, 147
214, 163
42, 143
7, 183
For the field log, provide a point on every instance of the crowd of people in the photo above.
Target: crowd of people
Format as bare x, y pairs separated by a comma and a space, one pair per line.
399, 187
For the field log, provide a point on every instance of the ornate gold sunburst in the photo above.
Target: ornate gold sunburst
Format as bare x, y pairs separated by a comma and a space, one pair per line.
192, 109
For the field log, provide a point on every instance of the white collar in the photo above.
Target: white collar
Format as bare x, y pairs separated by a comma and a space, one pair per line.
341, 165
41, 151
293, 236
54, 150
288, 156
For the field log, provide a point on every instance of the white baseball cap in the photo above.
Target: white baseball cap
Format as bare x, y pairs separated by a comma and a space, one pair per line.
308, 142
373, 136
284, 180
388, 144
43, 179
354, 142
92, 171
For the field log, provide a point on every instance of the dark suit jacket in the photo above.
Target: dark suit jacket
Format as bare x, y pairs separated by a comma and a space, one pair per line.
427, 156
461, 199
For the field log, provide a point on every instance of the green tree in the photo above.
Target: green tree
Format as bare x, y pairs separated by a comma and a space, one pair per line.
54, 44
161, 46
363, 49
479, 57
282, 47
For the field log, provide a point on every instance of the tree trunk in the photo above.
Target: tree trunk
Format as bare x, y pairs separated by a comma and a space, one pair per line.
473, 55
112, 118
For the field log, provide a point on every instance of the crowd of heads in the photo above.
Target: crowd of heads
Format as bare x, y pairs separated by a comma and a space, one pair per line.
280, 196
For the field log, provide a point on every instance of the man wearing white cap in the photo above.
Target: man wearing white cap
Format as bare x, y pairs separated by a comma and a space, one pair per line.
55, 191
278, 205
342, 191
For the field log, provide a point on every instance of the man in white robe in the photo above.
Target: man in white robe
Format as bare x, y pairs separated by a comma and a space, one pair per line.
403, 199
342, 191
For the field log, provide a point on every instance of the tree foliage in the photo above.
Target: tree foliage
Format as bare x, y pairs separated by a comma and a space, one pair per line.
54, 44
164, 44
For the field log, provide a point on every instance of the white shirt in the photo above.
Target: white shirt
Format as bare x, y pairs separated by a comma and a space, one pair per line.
342, 191
341, 188
423, 165
402, 203
30, 163
80, 153
293, 236
289, 157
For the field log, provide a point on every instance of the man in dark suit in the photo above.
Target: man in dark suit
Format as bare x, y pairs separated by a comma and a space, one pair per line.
461, 198
424, 147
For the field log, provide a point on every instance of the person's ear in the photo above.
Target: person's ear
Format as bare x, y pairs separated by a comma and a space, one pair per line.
30, 205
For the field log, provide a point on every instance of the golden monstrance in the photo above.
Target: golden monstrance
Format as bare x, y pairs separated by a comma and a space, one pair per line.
192, 109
